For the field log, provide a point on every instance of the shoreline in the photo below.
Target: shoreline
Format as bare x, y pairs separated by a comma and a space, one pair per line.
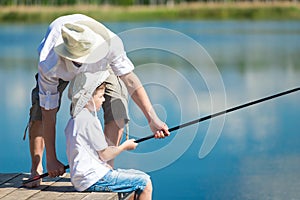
184, 11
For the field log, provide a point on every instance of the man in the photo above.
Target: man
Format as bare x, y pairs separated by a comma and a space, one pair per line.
74, 44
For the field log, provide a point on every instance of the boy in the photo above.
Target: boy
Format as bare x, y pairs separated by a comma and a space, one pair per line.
87, 149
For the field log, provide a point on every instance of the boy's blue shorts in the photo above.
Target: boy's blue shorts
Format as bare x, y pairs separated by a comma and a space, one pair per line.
121, 180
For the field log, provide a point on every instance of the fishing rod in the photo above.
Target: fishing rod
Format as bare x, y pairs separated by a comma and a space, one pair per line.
194, 122
224, 112
37, 177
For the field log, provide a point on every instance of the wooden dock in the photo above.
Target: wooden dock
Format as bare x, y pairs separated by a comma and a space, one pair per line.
51, 188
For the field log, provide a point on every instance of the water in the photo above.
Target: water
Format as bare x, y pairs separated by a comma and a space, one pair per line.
252, 153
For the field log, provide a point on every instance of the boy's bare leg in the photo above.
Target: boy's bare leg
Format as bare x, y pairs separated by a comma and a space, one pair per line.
147, 192
113, 131
36, 143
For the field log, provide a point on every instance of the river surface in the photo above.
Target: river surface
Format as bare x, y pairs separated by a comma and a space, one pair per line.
190, 69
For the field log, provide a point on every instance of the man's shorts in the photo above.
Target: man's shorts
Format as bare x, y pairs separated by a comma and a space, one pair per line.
115, 106
121, 180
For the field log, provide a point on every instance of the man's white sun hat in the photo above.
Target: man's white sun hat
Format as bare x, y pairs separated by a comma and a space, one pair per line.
83, 42
82, 87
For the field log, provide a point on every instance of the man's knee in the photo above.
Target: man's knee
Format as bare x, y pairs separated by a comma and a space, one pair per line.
113, 131
35, 128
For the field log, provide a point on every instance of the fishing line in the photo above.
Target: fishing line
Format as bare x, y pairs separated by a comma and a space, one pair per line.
194, 122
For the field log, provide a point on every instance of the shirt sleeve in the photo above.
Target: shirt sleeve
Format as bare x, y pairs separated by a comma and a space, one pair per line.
119, 62
48, 93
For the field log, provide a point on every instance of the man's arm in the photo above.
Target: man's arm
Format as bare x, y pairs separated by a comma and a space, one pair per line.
140, 97
54, 167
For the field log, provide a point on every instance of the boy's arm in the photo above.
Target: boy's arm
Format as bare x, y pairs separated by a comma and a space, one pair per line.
111, 152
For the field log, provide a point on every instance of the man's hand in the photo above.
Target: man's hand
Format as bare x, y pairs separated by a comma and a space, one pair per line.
55, 168
159, 129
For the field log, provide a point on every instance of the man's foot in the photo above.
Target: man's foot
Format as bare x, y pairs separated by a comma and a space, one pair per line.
36, 183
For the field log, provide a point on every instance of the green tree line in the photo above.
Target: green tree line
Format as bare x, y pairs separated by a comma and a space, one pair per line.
76, 2
116, 2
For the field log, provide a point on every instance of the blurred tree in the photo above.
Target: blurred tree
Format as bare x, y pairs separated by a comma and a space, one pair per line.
120, 2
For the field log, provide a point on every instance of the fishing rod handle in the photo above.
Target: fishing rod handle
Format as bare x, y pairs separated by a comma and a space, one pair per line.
41, 176
152, 136
144, 139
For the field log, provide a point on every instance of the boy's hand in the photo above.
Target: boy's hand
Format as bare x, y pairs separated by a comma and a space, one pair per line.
130, 144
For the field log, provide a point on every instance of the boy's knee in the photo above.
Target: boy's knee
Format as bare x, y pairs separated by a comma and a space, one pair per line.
148, 187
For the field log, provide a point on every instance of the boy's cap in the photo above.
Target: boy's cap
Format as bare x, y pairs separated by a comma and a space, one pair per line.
83, 41
82, 88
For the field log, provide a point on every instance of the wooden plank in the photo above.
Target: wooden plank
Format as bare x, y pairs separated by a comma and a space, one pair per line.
109, 196
72, 196
45, 195
17, 191
59, 188
6, 177
66, 191
62, 185
21, 194
101, 196
11, 185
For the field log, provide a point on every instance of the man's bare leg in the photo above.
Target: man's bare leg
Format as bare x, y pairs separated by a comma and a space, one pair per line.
113, 131
36, 143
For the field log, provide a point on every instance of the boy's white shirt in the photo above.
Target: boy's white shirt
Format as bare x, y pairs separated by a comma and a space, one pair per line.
84, 137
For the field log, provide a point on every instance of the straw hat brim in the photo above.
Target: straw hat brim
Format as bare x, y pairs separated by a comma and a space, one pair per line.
98, 52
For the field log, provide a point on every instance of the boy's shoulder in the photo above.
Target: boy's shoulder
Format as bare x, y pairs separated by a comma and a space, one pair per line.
84, 115
86, 118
